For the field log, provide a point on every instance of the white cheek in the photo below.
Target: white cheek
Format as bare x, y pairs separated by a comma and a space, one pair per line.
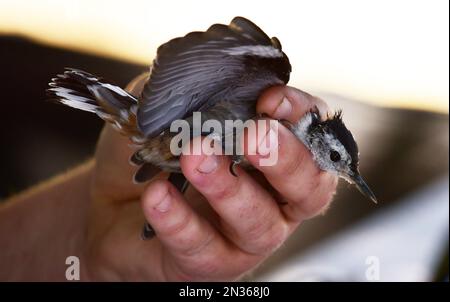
301, 129
321, 156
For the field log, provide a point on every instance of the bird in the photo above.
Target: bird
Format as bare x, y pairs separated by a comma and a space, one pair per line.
219, 72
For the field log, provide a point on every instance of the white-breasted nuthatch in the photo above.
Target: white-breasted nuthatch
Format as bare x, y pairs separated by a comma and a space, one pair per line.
333, 147
221, 73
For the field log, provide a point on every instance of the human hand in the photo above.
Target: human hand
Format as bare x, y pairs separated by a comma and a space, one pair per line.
223, 226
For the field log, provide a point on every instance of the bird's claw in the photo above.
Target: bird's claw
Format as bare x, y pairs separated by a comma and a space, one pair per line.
233, 166
147, 232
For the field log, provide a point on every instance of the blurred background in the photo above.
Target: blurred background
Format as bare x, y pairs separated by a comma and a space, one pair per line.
385, 63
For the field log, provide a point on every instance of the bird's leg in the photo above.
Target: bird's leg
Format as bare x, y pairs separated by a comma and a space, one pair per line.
147, 232
181, 183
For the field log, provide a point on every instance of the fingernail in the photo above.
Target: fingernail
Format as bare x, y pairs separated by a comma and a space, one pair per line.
283, 110
208, 165
164, 204
269, 142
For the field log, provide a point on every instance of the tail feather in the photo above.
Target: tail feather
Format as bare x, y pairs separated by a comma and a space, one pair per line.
70, 92
81, 90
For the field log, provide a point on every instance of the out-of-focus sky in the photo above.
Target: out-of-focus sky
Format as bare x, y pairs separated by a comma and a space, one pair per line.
392, 53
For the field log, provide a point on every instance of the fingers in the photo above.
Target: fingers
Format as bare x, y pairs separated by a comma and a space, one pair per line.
249, 216
193, 248
306, 189
178, 227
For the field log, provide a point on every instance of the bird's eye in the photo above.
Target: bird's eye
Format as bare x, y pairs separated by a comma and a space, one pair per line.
335, 156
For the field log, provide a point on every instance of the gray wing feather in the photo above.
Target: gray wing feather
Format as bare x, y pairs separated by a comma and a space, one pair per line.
194, 72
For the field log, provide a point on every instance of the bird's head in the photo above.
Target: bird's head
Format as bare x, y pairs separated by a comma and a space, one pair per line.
333, 147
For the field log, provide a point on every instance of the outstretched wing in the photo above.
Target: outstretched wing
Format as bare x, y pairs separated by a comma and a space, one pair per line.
199, 69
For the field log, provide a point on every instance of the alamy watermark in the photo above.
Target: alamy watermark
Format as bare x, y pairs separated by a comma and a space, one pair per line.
226, 138
73, 269
373, 268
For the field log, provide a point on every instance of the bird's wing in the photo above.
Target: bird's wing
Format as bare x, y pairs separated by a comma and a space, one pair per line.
190, 71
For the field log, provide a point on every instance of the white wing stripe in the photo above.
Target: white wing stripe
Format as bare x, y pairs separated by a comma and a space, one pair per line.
256, 50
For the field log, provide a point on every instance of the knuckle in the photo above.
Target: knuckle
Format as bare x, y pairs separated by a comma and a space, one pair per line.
292, 165
307, 187
276, 236
196, 246
209, 266
313, 196
315, 204
155, 191
269, 240
316, 207
176, 225
256, 229
202, 268
224, 191
313, 182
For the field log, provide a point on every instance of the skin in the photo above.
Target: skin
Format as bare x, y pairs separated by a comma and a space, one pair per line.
222, 228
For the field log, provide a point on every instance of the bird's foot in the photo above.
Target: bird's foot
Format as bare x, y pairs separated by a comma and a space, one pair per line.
233, 166
147, 232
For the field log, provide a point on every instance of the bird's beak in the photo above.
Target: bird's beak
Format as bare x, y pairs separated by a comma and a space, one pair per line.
363, 187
